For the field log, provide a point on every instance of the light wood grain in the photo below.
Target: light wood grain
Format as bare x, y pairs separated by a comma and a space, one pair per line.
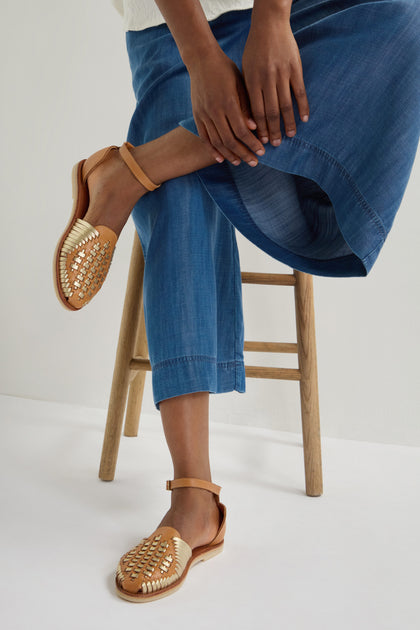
125, 350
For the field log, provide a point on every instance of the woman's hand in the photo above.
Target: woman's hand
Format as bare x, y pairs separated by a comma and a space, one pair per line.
221, 108
271, 66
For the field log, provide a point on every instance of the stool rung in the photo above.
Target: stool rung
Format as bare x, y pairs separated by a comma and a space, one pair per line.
138, 363
270, 346
283, 279
288, 374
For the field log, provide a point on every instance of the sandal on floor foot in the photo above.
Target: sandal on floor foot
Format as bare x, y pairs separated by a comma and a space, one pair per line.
84, 252
159, 564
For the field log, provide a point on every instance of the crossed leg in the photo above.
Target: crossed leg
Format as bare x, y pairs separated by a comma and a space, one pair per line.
113, 189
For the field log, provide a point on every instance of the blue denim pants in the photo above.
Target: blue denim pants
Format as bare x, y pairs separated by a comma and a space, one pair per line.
322, 202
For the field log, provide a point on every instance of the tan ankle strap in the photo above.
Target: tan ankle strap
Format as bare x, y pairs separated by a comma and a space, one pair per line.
135, 168
191, 482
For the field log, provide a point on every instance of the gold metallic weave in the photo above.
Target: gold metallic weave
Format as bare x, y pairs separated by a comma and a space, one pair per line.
84, 262
155, 563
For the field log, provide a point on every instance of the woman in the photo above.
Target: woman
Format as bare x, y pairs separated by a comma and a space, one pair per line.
297, 123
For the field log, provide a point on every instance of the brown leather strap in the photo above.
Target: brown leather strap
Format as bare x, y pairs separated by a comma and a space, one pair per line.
135, 168
95, 159
190, 482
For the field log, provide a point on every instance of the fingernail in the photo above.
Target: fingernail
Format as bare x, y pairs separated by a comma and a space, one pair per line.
236, 162
219, 159
305, 118
260, 152
291, 133
252, 163
264, 139
276, 142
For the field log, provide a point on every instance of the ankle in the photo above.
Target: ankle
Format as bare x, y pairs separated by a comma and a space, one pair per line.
195, 514
195, 494
198, 469
150, 162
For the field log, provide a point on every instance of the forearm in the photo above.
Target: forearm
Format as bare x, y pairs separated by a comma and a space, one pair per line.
190, 29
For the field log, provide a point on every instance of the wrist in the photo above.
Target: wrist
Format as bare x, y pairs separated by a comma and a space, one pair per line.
193, 55
269, 10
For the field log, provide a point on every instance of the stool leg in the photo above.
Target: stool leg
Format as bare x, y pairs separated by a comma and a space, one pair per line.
135, 395
305, 329
125, 348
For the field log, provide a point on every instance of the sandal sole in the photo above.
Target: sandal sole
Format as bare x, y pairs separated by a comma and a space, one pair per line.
78, 212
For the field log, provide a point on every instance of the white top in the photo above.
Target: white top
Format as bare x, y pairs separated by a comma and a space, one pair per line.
140, 14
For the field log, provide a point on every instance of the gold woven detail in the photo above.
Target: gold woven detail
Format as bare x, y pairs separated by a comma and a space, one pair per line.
166, 563
151, 556
65, 283
91, 263
177, 564
80, 233
120, 574
182, 554
156, 585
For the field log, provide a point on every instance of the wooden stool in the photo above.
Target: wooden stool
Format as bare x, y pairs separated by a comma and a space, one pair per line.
132, 362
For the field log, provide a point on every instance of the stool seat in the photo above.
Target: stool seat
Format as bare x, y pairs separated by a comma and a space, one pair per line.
132, 363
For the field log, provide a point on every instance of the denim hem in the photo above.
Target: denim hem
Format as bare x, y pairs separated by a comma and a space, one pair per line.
196, 373
359, 224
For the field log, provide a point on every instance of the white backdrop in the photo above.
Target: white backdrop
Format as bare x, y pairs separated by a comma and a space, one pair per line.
66, 93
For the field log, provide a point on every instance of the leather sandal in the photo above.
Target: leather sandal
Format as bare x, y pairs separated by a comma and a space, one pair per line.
84, 252
159, 564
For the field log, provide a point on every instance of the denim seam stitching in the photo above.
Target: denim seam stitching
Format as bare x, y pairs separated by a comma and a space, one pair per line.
193, 357
360, 198
235, 296
378, 246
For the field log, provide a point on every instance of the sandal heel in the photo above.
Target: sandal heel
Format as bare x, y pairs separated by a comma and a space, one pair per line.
207, 555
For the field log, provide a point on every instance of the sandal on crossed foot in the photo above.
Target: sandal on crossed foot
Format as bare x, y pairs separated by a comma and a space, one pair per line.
84, 252
159, 564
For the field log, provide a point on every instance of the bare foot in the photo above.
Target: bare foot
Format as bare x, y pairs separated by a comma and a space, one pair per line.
194, 513
113, 193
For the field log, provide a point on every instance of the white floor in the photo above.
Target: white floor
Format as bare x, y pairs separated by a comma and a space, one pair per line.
347, 560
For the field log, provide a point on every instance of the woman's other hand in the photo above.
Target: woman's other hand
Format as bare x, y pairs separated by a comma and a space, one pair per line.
272, 68
221, 108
